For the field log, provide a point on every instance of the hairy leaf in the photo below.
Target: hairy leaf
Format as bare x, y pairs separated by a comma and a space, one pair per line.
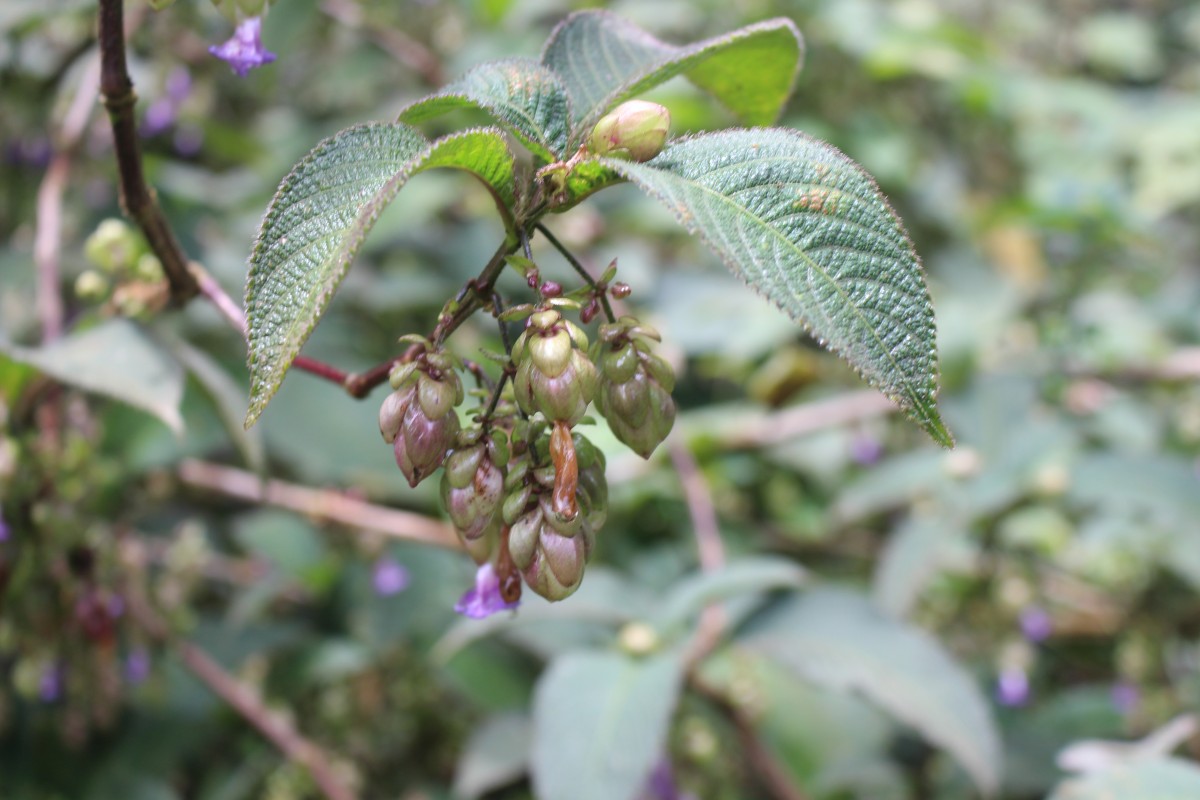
838, 638
320, 217
604, 59
227, 396
119, 359
1153, 779
600, 724
496, 755
806, 226
743, 576
522, 95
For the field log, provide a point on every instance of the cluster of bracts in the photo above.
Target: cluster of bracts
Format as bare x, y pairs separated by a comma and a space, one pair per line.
525, 490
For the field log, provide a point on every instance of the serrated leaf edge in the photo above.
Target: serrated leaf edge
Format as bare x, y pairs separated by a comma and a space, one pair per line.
354, 236
924, 413
542, 148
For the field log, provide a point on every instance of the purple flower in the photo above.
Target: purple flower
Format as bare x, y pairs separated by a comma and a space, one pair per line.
484, 600
390, 576
1012, 687
660, 785
137, 666
1036, 625
244, 50
4, 529
50, 685
865, 450
1126, 697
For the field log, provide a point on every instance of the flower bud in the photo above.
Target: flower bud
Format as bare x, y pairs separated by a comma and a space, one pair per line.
422, 443
391, 413
554, 375
635, 386
472, 490
634, 130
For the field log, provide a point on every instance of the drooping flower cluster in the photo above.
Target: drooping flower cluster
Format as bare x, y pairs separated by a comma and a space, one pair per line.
524, 489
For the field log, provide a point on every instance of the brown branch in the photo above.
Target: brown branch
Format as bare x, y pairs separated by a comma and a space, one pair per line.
709, 546
322, 505
763, 430
47, 238
246, 701
137, 198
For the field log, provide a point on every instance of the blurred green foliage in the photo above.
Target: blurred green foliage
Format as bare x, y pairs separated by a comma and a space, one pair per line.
1046, 162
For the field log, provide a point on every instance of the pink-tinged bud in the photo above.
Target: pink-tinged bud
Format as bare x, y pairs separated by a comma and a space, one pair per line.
391, 413
635, 130
425, 442
472, 491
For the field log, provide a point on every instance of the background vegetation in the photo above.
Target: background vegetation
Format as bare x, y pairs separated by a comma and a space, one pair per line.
1045, 160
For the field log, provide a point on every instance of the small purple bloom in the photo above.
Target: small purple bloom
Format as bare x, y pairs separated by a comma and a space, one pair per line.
661, 785
865, 450
50, 685
244, 50
1012, 687
484, 600
137, 666
4, 530
1036, 625
390, 576
1126, 697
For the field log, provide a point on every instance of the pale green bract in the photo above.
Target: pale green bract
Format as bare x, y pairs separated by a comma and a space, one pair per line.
319, 219
806, 226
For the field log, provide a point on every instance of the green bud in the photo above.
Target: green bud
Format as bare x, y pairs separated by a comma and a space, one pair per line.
523, 537
91, 286
635, 130
472, 489
437, 398
515, 503
550, 354
148, 268
113, 246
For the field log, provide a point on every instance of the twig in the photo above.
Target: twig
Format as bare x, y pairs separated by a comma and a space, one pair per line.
402, 47
709, 547
473, 294
138, 200
357, 384
579, 268
766, 767
796, 421
48, 230
321, 504
246, 701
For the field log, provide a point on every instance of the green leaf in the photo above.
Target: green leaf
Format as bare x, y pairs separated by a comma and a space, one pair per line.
320, 217
600, 724
227, 396
916, 552
807, 227
744, 576
836, 637
1155, 779
117, 358
604, 59
496, 755
522, 95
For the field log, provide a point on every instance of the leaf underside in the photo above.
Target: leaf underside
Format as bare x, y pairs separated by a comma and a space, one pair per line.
603, 59
837, 638
600, 724
523, 96
117, 358
804, 225
320, 217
